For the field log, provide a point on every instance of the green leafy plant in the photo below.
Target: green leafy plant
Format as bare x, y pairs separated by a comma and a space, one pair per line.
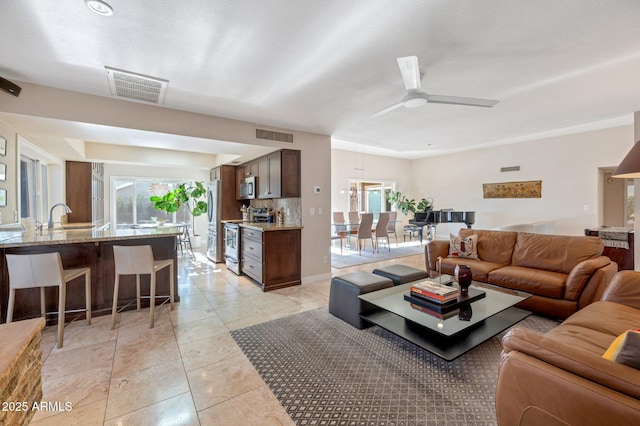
406, 205
183, 195
402, 203
425, 204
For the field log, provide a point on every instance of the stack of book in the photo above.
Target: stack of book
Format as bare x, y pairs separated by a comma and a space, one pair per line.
433, 292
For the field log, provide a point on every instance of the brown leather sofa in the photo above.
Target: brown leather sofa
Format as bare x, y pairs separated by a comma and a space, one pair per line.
560, 378
562, 273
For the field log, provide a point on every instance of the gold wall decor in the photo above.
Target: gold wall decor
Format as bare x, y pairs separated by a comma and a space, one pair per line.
526, 189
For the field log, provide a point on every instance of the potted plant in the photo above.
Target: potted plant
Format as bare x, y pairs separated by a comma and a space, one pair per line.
184, 194
420, 214
402, 203
406, 205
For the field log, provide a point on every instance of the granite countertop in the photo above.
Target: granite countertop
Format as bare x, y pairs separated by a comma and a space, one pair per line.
264, 226
82, 235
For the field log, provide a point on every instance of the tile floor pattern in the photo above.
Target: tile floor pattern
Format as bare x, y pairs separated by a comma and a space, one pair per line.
187, 370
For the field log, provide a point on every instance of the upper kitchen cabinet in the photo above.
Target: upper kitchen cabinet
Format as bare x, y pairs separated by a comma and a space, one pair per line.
85, 191
279, 174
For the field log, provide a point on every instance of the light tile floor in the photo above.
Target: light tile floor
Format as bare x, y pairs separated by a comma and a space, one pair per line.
187, 370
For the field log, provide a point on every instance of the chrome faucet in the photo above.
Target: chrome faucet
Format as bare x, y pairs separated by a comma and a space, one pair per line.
67, 209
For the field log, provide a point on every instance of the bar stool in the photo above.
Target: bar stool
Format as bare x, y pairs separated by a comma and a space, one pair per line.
45, 270
138, 260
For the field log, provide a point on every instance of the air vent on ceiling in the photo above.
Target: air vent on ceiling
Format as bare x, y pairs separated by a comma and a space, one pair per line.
138, 87
510, 169
271, 135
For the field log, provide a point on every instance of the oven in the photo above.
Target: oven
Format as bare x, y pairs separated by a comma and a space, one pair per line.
232, 247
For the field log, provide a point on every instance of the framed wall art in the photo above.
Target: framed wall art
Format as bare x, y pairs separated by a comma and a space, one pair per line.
526, 189
3, 146
3, 198
3, 172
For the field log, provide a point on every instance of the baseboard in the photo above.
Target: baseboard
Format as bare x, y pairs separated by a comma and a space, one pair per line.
316, 278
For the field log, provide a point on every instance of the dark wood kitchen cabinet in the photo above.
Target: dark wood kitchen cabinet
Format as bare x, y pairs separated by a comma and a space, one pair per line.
271, 257
279, 174
85, 191
269, 176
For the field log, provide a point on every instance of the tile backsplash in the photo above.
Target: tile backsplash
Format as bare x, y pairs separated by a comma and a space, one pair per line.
292, 208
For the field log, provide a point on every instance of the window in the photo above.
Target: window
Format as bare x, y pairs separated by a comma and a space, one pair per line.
33, 189
370, 196
133, 207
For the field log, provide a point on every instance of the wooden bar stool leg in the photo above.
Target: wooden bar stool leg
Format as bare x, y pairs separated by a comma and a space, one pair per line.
62, 292
12, 299
114, 309
43, 307
138, 291
87, 289
152, 299
171, 282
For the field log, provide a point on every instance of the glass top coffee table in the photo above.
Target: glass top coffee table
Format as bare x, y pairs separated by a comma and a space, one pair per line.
450, 333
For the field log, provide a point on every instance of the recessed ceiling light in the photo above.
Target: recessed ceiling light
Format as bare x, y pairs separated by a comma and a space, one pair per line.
99, 7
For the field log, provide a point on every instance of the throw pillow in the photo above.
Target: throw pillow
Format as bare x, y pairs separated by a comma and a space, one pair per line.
625, 349
463, 247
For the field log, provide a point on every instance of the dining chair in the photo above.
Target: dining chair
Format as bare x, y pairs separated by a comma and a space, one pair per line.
340, 228
364, 231
138, 260
381, 230
391, 227
45, 270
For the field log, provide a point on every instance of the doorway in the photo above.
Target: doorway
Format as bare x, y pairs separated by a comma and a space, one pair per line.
618, 201
370, 196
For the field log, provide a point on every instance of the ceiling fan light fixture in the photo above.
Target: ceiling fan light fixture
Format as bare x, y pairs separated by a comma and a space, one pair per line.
99, 7
414, 99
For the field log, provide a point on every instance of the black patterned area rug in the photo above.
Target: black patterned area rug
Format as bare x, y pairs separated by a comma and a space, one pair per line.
326, 372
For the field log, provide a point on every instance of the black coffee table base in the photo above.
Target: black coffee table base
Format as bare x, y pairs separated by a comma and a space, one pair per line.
447, 348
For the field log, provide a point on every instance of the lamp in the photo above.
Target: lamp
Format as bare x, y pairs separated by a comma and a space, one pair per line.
630, 165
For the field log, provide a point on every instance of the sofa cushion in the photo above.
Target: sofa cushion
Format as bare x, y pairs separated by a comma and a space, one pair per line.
479, 268
465, 247
593, 328
535, 281
557, 253
625, 349
493, 246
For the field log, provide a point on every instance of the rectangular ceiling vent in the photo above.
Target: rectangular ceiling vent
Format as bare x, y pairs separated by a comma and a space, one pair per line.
510, 169
271, 135
137, 87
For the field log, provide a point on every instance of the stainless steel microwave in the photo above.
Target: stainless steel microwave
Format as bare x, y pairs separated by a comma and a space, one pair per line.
248, 187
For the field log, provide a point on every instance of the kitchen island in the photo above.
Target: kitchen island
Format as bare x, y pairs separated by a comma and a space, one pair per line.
85, 247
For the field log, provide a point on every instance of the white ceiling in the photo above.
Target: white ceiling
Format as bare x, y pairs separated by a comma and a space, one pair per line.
324, 66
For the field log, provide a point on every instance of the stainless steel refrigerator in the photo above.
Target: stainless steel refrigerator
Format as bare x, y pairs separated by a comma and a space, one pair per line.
215, 244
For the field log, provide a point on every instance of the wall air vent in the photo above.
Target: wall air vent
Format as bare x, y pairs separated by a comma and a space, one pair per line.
271, 135
137, 87
510, 169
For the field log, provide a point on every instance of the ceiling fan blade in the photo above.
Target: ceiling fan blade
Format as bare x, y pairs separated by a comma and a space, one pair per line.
382, 112
458, 100
410, 72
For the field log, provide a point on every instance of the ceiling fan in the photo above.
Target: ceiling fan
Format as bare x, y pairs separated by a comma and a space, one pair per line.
415, 97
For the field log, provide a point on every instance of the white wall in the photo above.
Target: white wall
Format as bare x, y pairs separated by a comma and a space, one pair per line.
567, 165
10, 184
